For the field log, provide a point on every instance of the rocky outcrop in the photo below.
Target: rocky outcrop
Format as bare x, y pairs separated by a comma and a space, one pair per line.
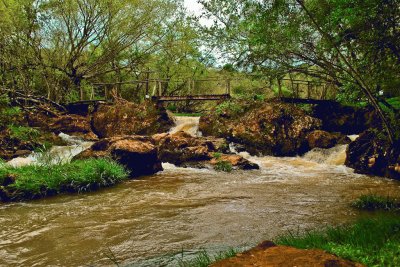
137, 153
126, 118
182, 149
269, 254
70, 124
370, 153
345, 119
271, 128
323, 139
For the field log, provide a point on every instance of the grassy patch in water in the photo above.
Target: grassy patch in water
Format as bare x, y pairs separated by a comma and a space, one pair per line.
31, 182
373, 242
204, 259
223, 166
373, 202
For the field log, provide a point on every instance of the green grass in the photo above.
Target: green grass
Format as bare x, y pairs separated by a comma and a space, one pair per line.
373, 242
23, 133
223, 166
204, 259
31, 182
374, 202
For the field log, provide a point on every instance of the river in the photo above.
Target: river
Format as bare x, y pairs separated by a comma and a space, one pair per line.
149, 221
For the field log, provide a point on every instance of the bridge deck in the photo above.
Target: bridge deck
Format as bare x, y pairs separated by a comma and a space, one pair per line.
191, 97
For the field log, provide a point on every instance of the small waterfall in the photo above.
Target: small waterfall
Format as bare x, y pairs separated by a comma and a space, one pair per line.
332, 156
189, 125
56, 154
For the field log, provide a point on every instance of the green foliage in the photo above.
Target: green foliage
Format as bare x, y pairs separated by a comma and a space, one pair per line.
8, 114
204, 259
217, 155
36, 181
229, 107
373, 242
23, 133
224, 166
375, 202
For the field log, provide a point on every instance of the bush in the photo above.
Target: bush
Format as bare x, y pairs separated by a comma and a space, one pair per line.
30, 182
373, 242
229, 107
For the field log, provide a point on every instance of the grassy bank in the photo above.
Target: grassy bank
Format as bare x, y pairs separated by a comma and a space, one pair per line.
372, 241
32, 182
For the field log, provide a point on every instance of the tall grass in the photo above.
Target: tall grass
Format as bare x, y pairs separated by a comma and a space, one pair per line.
35, 181
373, 242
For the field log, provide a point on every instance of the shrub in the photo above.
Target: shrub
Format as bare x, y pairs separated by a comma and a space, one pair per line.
229, 107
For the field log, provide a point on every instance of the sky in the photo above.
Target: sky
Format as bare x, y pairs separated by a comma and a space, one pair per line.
193, 6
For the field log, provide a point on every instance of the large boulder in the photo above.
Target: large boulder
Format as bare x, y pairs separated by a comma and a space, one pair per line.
345, 119
181, 147
271, 128
126, 118
371, 154
184, 150
323, 139
137, 153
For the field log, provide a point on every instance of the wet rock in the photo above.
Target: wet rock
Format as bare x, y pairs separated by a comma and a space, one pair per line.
137, 153
70, 124
271, 128
236, 161
126, 118
181, 147
184, 150
345, 119
371, 154
323, 139
269, 254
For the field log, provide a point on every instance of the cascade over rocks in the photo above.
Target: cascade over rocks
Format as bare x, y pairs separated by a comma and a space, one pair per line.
323, 139
370, 153
137, 153
271, 128
126, 118
345, 119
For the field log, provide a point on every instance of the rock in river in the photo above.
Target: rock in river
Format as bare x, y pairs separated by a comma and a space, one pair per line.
137, 153
271, 128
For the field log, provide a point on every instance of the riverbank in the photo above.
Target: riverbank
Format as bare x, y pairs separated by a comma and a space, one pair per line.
37, 181
373, 240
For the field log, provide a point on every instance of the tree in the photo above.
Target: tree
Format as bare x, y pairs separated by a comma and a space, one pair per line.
325, 39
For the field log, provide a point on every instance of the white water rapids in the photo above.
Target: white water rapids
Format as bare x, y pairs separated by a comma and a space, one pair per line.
150, 221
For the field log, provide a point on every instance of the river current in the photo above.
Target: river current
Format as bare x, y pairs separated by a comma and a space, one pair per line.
153, 220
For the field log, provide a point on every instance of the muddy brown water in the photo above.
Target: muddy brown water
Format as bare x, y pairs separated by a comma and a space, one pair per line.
144, 222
